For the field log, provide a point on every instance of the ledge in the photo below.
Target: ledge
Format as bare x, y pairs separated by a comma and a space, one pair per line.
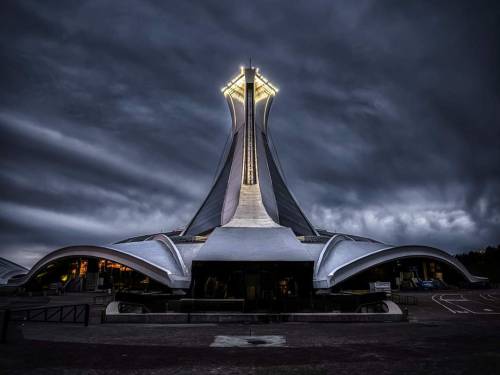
394, 314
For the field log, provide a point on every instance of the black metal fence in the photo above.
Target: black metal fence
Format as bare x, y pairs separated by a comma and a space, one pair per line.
51, 314
404, 300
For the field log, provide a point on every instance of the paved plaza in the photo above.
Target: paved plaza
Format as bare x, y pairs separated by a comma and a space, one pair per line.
438, 339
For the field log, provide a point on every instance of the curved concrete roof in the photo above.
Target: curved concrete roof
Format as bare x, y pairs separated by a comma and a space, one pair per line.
151, 258
10, 269
342, 258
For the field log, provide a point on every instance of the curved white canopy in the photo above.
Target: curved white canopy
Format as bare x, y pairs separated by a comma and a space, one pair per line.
155, 259
342, 258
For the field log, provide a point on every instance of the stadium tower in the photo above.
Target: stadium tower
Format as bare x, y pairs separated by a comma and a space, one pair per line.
249, 190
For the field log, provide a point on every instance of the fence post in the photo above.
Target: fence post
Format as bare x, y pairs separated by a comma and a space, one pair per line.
405, 314
5, 325
87, 314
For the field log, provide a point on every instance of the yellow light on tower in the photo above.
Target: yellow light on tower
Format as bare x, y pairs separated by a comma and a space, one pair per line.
235, 88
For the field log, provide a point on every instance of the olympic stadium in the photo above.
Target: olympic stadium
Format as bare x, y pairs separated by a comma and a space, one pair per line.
249, 238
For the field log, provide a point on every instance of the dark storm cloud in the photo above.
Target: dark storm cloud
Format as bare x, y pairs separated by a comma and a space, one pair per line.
386, 123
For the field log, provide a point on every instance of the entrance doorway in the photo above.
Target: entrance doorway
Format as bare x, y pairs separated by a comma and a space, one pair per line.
265, 286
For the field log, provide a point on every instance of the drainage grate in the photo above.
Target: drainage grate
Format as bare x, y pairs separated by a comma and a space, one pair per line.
248, 341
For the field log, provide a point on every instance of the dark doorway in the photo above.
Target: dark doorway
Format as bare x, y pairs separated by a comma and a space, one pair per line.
265, 286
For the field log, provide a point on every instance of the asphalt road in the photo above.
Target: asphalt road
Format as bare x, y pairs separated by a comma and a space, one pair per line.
435, 341
476, 304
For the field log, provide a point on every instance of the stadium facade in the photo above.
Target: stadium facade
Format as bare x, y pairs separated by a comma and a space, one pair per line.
249, 239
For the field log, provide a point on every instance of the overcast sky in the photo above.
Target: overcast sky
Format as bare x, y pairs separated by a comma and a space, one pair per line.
112, 123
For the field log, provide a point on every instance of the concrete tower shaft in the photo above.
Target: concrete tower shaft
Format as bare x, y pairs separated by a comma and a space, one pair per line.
249, 190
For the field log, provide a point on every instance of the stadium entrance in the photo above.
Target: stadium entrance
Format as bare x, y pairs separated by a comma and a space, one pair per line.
265, 286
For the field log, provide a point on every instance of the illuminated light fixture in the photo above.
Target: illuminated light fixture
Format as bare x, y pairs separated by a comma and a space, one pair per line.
236, 87
83, 268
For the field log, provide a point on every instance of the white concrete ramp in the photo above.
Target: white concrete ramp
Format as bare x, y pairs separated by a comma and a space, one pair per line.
251, 211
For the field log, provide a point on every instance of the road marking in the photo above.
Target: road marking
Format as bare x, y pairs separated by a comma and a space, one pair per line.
248, 341
488, 297
460, 299
476, 312
439, 303
451, 304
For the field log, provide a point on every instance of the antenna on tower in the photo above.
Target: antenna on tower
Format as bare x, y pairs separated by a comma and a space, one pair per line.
250, 63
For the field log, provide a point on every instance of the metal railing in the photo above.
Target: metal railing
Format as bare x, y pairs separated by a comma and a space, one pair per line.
404, 300
50, 314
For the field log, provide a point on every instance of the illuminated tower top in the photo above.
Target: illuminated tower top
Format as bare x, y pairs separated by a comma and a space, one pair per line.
236, 88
